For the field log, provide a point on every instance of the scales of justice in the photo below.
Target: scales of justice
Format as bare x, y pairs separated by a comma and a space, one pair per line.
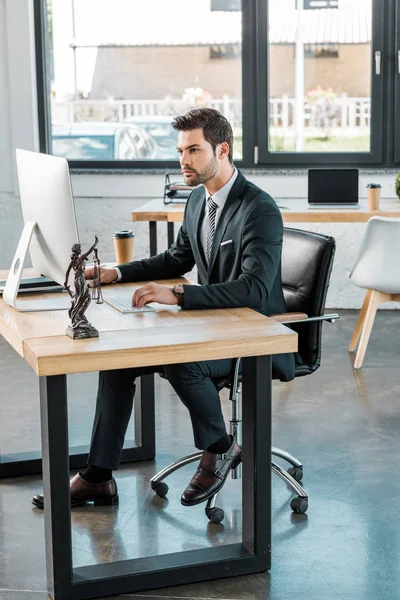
81, 297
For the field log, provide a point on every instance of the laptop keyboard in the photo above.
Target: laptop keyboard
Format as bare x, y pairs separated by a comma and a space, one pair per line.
124, 304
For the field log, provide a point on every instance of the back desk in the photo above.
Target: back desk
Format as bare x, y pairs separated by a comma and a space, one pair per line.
293, 211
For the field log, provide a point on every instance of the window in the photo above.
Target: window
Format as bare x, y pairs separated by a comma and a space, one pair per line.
141, 63
319, 83
318, 106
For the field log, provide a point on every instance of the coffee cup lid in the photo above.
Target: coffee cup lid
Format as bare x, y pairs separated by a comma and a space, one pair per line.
374, 185
124, 233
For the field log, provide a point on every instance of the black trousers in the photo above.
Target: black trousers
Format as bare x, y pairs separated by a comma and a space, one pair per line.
193, 383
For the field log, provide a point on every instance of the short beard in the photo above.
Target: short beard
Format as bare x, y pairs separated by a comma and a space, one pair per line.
209, 171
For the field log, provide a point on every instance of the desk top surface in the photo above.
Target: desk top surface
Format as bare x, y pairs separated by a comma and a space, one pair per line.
293, 211
169, 335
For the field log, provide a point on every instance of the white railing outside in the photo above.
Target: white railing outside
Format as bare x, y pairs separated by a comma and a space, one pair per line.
344, 111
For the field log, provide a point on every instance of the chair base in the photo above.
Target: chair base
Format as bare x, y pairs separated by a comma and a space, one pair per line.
215, 514
291, 477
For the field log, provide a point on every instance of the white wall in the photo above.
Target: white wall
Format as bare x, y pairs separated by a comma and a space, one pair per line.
104, 201
6, 184
18, 112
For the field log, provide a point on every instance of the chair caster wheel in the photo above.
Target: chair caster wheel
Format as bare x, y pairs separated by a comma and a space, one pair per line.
161, 489
296, 473
299, 505
216, 515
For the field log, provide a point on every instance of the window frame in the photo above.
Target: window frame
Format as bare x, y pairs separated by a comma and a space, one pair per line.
307, 159
385, 93
44, 111
395, 51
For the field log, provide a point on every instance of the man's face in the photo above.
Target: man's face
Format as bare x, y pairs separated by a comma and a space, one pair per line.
199, 164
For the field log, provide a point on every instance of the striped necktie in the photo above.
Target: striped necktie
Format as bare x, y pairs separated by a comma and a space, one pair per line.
211, 213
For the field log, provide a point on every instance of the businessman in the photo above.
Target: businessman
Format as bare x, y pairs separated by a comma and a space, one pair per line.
232, 231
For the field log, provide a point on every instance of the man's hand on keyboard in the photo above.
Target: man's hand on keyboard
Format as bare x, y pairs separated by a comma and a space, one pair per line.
106, 275
153, 292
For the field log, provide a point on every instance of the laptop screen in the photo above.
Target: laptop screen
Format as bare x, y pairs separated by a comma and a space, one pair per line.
332, 186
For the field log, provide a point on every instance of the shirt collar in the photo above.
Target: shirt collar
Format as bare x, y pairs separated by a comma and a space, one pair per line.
220, 197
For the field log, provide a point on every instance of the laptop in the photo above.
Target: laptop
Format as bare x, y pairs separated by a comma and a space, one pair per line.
333, 188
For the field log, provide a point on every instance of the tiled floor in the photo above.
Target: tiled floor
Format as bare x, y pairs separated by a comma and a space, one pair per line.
343, 425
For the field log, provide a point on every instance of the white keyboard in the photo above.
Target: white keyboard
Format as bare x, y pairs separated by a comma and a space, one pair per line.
124, 304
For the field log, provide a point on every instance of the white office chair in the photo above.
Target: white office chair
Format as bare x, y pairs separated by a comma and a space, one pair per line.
377, 269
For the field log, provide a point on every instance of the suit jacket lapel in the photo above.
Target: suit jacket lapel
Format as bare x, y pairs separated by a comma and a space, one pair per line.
197, 220
232, 203
198, 234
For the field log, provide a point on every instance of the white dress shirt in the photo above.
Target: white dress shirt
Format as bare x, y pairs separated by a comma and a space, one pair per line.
219, 198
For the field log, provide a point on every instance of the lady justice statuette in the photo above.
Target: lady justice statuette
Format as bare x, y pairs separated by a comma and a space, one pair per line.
80, 327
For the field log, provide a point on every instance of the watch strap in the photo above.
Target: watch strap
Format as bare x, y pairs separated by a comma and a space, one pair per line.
179, 295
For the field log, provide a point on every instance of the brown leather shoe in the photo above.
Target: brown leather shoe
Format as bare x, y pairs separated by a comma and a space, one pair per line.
211, 474
81, 491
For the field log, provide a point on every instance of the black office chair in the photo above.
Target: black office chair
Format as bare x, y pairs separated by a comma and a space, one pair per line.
307, 260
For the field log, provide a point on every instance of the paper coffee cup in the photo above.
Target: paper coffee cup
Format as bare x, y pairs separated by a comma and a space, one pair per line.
123, 245
373, 196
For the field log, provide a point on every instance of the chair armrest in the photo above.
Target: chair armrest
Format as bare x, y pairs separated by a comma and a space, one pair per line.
285, 317
303, 318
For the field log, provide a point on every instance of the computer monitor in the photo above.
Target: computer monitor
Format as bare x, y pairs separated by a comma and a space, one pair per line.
50, 228
333, 188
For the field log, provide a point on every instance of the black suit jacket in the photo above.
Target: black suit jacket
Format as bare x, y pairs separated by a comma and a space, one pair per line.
245, 271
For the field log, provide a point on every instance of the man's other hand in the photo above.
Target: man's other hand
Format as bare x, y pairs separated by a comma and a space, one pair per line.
153, 292
107, 275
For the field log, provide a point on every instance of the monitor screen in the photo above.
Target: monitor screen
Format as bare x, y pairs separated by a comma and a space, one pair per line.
332, 186
46, 199
49, 227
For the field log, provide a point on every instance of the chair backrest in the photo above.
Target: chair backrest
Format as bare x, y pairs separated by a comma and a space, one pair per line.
307, 260
378, 263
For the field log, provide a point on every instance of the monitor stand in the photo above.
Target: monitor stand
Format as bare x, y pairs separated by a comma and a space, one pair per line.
60, 302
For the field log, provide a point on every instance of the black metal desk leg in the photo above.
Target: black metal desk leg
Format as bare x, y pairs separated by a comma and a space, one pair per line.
144, 416
57, 513
153, 237
257, 443
171, 234
141, 448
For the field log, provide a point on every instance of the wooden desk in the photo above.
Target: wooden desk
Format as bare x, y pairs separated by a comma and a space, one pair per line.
293, 211
16, 330
167, 336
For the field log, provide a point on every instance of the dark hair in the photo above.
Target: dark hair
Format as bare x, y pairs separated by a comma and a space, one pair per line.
216, 128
